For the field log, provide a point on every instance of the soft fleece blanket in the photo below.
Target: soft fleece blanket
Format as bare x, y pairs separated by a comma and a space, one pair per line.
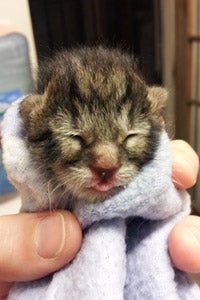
124, 254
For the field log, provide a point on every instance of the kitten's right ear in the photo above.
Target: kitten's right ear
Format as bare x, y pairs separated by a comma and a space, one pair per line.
33, 113
31, 105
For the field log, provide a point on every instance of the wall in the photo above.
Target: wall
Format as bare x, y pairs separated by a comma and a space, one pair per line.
168, 56
16, 14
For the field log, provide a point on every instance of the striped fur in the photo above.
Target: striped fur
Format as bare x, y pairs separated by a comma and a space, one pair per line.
91, 110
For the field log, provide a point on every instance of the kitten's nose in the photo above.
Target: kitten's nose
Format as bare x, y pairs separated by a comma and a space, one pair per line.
105, 173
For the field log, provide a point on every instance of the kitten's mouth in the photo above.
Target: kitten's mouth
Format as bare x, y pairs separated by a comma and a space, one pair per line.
103, 186
100, 190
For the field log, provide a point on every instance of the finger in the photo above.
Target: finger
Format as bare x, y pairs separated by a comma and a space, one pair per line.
185, 164
184, 245
33, 245
4, 289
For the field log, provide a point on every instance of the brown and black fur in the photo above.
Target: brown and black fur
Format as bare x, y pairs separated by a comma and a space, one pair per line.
92, 121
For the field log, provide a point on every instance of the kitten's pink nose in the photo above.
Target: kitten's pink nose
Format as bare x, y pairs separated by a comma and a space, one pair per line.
105, 174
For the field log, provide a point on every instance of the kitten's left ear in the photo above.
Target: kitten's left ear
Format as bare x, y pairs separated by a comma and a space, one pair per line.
157, 97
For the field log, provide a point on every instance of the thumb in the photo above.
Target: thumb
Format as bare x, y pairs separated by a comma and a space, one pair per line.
184, 244
35, 244
185, 164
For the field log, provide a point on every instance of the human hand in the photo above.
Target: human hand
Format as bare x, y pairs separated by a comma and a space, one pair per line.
185, 164
22, 258
184, 240
35, 244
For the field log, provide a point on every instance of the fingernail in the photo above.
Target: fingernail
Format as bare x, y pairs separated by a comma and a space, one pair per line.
50, 236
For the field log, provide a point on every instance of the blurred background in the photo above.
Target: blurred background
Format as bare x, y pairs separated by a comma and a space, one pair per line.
163, 35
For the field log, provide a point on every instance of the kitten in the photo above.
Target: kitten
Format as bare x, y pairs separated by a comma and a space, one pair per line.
92, 122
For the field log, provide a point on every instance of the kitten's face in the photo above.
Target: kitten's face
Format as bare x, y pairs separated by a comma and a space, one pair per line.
93, 123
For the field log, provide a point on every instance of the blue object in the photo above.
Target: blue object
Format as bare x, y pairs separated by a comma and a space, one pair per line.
15, 80
5, 185
6, 99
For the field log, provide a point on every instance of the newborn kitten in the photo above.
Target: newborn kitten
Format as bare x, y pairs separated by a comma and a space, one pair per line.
92, 122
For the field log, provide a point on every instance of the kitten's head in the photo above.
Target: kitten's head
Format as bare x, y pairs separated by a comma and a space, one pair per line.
93, 121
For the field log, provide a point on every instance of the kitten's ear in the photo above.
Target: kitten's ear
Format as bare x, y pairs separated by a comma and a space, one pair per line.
157, 97
32, 104
33, 113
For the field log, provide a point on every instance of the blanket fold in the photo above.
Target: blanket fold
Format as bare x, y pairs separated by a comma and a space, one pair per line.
124, 254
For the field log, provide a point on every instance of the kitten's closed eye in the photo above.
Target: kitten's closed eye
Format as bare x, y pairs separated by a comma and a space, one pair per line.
131, 135
131, 140
135, 143
71, 147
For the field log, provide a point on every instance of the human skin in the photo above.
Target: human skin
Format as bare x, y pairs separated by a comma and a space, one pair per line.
184, 240
46, 241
